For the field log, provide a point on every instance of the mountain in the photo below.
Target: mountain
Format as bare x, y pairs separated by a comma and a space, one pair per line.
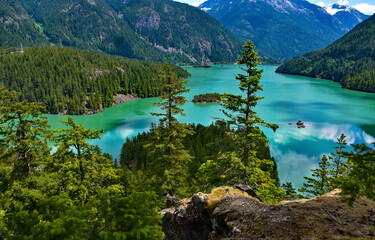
347, 15
349, 61
17, 27
158, 30
72, 81
279, 28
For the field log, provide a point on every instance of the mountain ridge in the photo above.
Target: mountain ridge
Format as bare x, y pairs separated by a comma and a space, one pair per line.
280, 29
121, 28
348, 16
350, 60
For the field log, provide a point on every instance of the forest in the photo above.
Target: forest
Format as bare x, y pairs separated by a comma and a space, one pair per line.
207, 98
78, 192
117, 27
349, 60
71, 81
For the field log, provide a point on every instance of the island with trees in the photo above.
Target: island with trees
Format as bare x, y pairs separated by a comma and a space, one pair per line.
207, 98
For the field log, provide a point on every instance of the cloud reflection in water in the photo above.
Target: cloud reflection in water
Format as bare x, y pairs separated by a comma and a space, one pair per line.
297, 150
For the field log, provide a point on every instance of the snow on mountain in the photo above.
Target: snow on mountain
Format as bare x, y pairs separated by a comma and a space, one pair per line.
348, 16
335, 7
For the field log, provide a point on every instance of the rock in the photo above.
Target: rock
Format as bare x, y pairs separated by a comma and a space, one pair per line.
300, 124
190, 221
230, 213
150, 21
201, 216
248, 190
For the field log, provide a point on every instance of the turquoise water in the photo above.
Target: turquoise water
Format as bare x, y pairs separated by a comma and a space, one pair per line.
325, 108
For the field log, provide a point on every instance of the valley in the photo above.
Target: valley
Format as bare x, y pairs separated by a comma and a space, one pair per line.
156, 119
321, 104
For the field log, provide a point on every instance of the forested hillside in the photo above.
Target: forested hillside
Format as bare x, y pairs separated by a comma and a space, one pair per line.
176, 27
17, 27
71, 81
349, 61
159, 30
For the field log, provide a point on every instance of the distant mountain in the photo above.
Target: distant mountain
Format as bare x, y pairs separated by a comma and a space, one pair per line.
279, 28
349, 61
158, 30
347, 15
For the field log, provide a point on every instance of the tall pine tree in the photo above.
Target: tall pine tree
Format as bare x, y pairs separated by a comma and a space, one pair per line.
169, 157
244, 166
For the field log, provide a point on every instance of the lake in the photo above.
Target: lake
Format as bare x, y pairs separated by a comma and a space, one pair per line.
326, 109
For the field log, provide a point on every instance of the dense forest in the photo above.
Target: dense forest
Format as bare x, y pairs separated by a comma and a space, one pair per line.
16, 27
78, 192
158, 31
71, 81
204, 144
349, 61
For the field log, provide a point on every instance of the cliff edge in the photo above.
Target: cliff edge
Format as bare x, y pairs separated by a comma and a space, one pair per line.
229, 213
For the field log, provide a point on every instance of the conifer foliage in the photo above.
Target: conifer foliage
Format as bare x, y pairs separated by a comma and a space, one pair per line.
353, 172
171, 159
243, 165
71, 81
74, 193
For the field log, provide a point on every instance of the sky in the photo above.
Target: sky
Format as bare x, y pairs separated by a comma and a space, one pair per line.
365, 6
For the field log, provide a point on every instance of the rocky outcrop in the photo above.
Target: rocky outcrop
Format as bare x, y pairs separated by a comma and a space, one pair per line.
151, 20
229, 213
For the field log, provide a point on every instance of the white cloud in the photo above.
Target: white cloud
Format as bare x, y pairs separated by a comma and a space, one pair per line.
365, 8
196, 4
321, 4
343, 2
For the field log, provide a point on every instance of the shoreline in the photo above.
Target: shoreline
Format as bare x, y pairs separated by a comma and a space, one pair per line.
119, 98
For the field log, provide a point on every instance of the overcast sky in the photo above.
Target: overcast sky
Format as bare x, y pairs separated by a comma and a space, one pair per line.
365, 6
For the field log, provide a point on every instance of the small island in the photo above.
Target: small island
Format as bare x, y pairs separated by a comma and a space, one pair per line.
206, 98
201, 64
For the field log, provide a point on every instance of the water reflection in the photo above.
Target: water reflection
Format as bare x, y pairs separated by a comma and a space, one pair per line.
319, 131
297, 150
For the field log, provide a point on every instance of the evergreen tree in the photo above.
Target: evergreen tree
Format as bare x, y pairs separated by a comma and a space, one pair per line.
75, 193
83, 170
319, 183
244, 166
338, 165
23, 135
289, 190
170, 158
360, 179
240, 110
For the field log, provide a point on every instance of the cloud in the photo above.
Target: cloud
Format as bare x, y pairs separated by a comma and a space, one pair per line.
293, 166
321, 4
365, 8
343, 2
196, 4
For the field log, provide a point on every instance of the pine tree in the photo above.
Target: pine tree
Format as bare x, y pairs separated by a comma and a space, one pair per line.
240, 110
360, 179
290, 190
23, 135
244, 166
170, 158
338, 166
83, 169
319, 183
